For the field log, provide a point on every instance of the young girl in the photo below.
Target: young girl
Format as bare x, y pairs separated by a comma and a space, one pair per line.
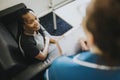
33, 40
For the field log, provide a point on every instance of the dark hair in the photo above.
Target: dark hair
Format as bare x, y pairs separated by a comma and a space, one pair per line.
104, 24
21, 13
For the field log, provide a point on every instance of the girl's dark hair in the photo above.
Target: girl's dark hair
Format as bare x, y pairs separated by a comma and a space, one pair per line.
20, 20
23, 12
104, 24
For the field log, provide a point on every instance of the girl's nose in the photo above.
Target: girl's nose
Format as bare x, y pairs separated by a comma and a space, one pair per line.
36, 23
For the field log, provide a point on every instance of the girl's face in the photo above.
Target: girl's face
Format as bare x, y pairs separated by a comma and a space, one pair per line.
31, 22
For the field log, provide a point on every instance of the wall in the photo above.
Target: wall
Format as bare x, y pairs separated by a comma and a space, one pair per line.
38, 6
41, 7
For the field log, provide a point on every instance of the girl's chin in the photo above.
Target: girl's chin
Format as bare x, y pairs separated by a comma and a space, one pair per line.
38, 28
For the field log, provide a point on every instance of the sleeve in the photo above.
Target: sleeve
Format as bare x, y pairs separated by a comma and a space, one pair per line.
31, 50
29, 47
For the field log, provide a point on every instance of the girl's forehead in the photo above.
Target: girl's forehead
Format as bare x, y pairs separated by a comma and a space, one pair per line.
28, 16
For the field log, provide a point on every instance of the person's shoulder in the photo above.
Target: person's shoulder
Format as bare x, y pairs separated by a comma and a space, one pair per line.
24, 36
83, 55
66, 59
25, 39
63, 61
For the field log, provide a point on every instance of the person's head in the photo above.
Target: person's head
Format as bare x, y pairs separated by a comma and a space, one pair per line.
102, 26
29, 20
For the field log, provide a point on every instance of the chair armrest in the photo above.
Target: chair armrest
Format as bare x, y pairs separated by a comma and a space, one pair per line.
32, 70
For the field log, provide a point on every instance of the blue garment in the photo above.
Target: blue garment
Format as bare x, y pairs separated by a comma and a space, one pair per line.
65, 68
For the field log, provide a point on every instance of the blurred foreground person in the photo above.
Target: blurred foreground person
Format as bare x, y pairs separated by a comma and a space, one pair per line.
102, 62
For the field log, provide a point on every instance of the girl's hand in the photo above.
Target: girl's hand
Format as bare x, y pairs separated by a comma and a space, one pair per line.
52, 40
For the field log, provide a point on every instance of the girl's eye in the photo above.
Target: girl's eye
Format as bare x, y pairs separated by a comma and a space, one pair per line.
30, 22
